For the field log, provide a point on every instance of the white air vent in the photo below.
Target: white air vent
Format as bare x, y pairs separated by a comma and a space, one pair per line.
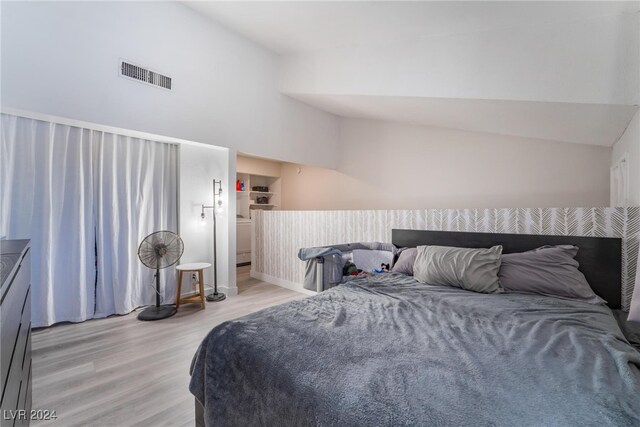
143, 75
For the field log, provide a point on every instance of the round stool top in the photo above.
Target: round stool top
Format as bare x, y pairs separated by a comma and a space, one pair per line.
192, 266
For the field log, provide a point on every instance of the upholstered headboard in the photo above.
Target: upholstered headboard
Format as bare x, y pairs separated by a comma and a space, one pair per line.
600, 258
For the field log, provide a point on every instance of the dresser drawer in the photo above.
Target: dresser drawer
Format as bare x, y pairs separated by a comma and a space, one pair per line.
24, 401
26, 387
15, 303
26, 359
11, 392
15, 329
19, 361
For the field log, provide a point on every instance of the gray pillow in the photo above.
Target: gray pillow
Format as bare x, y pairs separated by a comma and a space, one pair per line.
471, 269
549, 270
404, 264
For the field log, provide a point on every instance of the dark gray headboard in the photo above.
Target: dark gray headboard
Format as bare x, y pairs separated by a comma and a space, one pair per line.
600, 258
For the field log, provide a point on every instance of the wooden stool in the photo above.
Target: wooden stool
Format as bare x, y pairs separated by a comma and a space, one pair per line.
194, 267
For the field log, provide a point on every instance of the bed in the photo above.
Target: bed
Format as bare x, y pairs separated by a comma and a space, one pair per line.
387, 350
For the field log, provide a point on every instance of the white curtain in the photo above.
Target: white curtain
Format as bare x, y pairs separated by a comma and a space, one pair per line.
47, 196
136, 194
72, 191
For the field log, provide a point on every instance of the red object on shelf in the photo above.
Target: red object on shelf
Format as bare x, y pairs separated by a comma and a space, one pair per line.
238, 188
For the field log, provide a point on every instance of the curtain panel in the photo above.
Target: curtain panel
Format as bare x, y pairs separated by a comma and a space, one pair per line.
85, 198
136, 194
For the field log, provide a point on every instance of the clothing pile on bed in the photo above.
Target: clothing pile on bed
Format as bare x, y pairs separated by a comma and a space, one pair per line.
344, 262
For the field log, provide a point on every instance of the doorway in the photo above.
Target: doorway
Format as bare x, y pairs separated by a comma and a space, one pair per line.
258, 186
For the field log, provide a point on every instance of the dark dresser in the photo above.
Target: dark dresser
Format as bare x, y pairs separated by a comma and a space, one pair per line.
15, 332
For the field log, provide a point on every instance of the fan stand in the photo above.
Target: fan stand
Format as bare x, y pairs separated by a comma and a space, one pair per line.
158, 311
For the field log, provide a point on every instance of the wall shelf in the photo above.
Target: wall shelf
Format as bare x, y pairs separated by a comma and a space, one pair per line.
246, 204
247, 200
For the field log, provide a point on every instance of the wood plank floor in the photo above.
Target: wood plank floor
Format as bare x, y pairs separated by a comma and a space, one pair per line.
120, 371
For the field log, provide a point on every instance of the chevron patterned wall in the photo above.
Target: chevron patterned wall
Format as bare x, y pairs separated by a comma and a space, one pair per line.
279, 234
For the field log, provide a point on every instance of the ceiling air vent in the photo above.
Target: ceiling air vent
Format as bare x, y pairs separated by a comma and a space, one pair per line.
143, 75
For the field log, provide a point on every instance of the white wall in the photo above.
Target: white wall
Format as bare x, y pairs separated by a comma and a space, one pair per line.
591, 61
256, 166
62, 59
199, 165
395, 166
629, 144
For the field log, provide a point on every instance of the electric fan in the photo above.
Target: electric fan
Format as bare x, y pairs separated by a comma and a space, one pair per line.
159, 250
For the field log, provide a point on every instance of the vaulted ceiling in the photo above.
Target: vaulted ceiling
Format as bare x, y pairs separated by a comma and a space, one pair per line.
561, 71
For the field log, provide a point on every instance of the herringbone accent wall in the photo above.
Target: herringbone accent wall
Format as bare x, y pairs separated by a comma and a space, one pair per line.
279, 234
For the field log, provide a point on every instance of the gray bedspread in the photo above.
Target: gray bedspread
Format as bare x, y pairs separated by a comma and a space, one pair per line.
386, 350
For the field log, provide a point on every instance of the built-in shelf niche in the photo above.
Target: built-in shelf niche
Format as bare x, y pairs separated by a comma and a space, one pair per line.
247, 200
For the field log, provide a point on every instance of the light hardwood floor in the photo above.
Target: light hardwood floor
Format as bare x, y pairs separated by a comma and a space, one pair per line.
120, 371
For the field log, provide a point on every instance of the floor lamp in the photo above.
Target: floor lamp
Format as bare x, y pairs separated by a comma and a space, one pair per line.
217, 208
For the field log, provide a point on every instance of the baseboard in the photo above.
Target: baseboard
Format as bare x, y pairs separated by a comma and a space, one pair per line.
281, 282
230, 292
